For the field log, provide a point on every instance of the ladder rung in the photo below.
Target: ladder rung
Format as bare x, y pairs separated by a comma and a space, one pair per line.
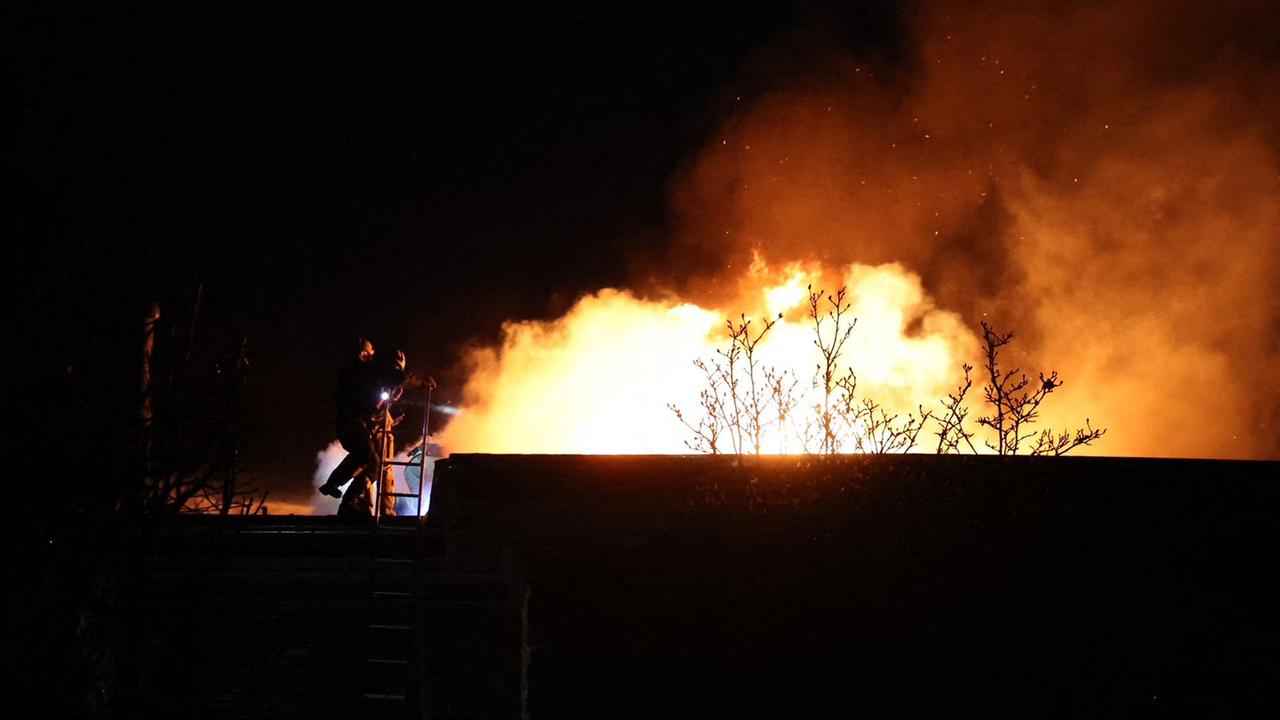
411, 495
388, 661
394, 560
391, 593
402, 463
383, 696
389, 627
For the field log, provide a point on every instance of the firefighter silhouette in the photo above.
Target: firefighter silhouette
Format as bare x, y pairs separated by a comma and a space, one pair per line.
367, 387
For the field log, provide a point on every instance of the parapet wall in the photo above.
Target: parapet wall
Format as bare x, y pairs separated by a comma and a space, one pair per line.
487, 501
889, 586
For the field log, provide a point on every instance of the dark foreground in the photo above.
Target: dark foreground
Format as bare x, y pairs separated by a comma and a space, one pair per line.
606, 587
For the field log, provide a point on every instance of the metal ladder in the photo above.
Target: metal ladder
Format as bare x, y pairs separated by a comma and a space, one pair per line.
396, 698
385, 434
394, 657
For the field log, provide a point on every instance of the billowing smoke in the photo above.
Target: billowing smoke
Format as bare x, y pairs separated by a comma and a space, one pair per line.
1100, 177
326, 460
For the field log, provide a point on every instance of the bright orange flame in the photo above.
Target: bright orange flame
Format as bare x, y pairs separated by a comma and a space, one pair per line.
598, 379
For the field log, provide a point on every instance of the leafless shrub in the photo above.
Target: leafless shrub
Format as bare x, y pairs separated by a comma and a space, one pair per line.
880, 433
1015, 404
1049, 443
782, 395
738, 394
714, 419
865, 426
951, 430
755, 397
827, 310
191, 426
741, 399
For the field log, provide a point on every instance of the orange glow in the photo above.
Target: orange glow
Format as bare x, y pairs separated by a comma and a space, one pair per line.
1101, 179
598, 379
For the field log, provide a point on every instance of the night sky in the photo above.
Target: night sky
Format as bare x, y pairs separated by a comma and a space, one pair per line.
419, 174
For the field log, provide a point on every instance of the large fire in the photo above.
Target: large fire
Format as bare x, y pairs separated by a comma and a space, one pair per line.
1101, 179
599, 379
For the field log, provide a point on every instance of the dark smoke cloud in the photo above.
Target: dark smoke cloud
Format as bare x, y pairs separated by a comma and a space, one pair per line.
1100, 177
